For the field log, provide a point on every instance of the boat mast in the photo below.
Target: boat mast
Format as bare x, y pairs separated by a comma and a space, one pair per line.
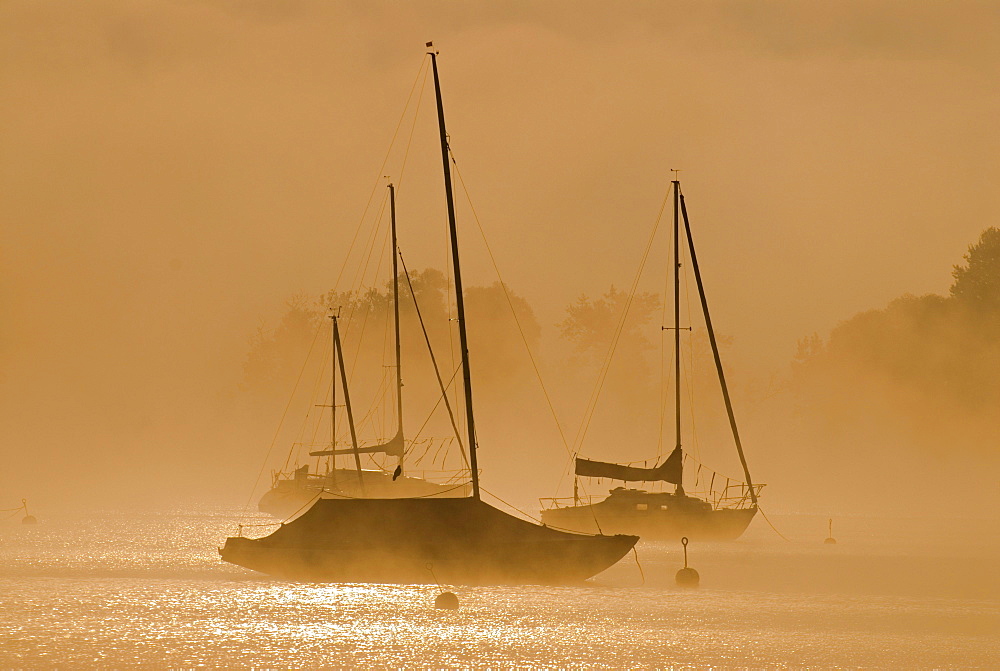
677, 332
715, 351
347, 400
395, 305
333, 401
459, 301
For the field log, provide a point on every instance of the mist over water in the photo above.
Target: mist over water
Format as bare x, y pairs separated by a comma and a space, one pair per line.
181, 187
116, 589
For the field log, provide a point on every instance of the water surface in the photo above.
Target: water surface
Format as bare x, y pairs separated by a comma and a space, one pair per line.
147, 589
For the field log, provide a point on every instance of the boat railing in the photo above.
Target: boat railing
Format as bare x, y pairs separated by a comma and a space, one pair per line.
734, 495
568, 501
440, 476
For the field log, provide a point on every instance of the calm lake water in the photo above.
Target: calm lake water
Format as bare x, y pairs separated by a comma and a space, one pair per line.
116, 589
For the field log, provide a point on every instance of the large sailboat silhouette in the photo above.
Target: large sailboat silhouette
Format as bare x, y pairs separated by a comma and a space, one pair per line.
416, 540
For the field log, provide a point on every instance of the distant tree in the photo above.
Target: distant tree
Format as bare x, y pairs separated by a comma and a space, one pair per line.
629, 394
277, 354
919, 357
807, 348
977, 283
497, 345
591, 324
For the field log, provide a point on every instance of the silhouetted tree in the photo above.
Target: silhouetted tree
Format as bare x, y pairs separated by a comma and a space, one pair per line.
630, 393
277, 355
978, 282
495, 342
919, 359
590, 324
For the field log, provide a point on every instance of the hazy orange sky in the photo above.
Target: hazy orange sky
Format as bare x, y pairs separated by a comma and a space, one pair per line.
172, 172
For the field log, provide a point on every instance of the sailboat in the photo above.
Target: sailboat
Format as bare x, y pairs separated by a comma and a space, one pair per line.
721, 513
419, 540
291, 495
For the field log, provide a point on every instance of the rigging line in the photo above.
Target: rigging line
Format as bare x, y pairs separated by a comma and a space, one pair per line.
368, 311
368, 420
305, 505
357, 300
427, 448
715, 350
437, 371
399, 181
330, 494
413, 127
595, 395
534, 519
316, 400
385, 356
642, 573
451, 381
663, 359
689, 381
708, 468
422, 69
315, 397
281, 422
358, 283
515, 508
449, 304
381, 170
520, 330
510, 304
769, 523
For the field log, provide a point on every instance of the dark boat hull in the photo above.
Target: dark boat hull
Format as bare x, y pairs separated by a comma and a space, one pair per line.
415, 541
653, 516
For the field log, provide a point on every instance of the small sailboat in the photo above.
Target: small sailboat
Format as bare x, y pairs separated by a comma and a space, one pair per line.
420, 539
291, 495
723, 512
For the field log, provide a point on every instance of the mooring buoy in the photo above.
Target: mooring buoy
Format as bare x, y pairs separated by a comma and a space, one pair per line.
27, 519
830, 540
687, 576
444, 600
447, 601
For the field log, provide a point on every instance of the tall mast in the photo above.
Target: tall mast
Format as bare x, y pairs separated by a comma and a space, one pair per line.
459, 300
333, 399
715, 353
347, 400
677, 329
395, 306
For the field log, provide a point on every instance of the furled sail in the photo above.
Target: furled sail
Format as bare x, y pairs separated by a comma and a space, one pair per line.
394, 448
668, 471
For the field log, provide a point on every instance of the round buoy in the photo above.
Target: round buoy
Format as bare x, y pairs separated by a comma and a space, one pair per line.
687, 576
830, 540
28, 518
447, 601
